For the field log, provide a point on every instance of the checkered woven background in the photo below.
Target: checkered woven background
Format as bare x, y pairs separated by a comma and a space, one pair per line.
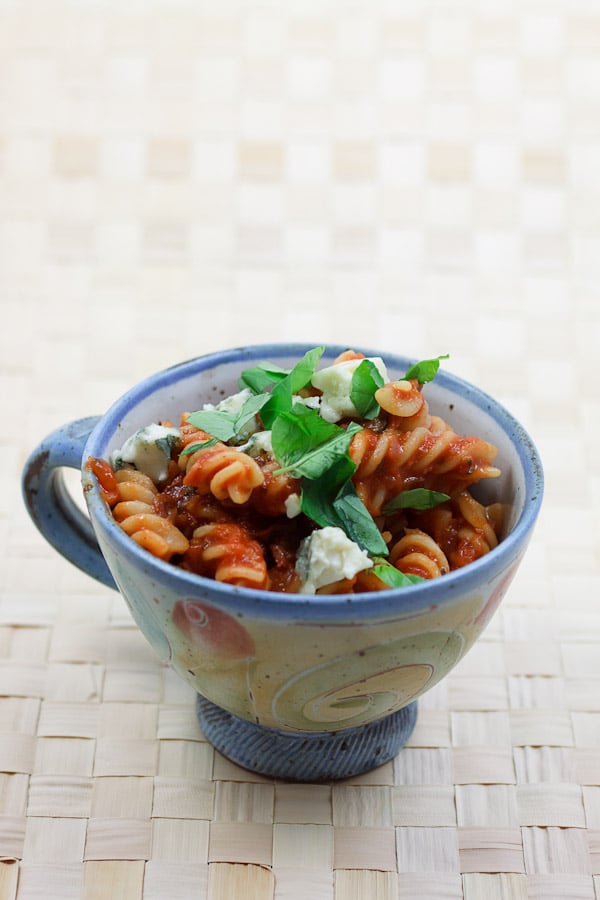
180, 177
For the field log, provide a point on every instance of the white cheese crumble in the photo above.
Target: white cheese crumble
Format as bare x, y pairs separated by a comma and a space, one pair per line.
292, 506
149, 450
335, 382
259, 442
232, 404
328, 555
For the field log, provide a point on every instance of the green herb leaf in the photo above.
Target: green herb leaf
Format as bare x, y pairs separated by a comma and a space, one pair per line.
216, 423
393, 577
306, 445
366, 379
192, 448
262, 377
282, 395
251, 408
357, 521
418, 498
318, 495
332, 500
426, 370
304, 370
226, 425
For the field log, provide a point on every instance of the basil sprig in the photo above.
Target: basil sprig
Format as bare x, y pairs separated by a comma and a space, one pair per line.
417, 498
332, 500
425, 370
366, 379
262, 377
316, 451
393, 577
305, 444
281, 398
192, 448
226, 425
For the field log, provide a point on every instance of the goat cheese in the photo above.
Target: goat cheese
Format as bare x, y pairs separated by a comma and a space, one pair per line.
328, 555
259, 442
232, 404
149, 450
293, 506
335, 382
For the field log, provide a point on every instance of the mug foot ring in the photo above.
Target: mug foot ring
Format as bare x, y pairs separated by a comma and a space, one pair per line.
306, 756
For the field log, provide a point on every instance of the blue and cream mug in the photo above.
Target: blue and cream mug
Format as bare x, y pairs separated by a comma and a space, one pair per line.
296, 686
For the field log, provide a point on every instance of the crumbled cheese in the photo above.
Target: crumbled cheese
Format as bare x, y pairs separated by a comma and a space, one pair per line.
328, 555
258, 443
149, 450
232, 404
335, 382
292, 506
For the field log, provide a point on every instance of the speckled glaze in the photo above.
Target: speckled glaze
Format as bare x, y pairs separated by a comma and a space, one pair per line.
294, 666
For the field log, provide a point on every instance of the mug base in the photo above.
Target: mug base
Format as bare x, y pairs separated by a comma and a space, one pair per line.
306, 756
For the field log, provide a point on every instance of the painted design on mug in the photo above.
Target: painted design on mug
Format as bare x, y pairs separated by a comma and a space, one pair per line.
211, 631
366, 685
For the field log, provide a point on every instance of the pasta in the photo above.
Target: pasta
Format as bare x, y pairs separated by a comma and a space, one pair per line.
222, 471
349, 487
225, 551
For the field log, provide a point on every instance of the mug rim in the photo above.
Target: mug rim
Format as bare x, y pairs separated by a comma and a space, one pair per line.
412, 598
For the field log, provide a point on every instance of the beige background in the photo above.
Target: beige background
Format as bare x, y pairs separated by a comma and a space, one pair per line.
183, 177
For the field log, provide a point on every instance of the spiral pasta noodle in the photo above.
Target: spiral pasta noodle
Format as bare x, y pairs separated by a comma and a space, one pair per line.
405, 403
416, 553
443, 461
223, 471
135, 513
226, 552
269, 498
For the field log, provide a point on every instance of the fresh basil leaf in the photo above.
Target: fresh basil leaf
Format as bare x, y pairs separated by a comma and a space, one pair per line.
280, 401
251, 407
418, 498
393, 577
318, 495
192, 448
262, 377
332, 500
215, 422
304, 370
426, 370
282, 395
306, 445
366, 379
358, 523
226, 425
297, 430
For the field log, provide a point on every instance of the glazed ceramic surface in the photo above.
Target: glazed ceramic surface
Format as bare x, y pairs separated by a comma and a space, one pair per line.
300, 663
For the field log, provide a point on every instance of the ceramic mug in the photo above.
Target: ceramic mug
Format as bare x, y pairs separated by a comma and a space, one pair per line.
303, 687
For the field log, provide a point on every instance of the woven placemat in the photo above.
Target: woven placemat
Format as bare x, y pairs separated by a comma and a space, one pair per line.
110, 789
185, 177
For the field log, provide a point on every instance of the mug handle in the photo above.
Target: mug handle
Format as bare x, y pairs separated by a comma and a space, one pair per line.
51, 506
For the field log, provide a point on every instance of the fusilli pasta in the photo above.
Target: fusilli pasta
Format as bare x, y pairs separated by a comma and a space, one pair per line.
221, 471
